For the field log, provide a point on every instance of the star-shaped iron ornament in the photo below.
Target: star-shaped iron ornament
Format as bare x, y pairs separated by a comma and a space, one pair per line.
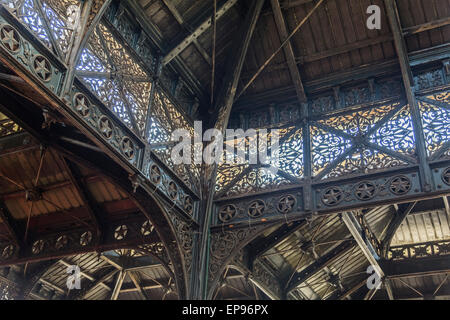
61, 242
82, 104
365, 190
146, 228
227, 213
446, 176
400, 185
332, 196
8, 251
286, 203
173, 190
155, 174
38, 246
120, 232
85, 238
105, 127
127, 147
256, 208
188, 204
42, 68
10, 38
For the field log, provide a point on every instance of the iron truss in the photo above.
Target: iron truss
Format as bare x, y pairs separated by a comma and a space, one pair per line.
351, 149
28, 47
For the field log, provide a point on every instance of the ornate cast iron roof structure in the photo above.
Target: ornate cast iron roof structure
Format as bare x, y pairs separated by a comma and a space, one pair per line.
91, 92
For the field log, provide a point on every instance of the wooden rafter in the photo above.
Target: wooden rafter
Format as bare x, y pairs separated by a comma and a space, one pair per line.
177, 15
81, 188
319, 264
178, 48
288, 51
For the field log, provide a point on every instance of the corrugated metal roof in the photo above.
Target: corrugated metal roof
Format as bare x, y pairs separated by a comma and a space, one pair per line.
423, 227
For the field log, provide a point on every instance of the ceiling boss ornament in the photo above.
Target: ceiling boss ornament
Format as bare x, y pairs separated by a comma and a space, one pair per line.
82, 104
146, 228
127, 147
332, 196
400, 185
227, 213
155, 174
446, 176
105, 126
42, 68
120, 232
10, 38
85, 238
286, 204
365, 190
256, 208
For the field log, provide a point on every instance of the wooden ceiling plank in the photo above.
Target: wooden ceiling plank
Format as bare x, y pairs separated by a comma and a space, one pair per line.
228, 92
288, 51
173, 10
197, 32
137, 282
81, 188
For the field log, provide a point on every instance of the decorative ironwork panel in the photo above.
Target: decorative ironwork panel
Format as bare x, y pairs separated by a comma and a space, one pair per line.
241, 177
260, 274
92, 112
224, 247
372, 139
116, 78
121, 234
364, 161
326, 148
53, 22
255, 209
173, 191
132, 34
164, 119
419, 250
436, 122
397, 133
19, 45
429, 79
348, 194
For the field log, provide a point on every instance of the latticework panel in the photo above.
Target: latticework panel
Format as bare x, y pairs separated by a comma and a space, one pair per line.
53, 22
164, 119
361, 142
235, 176
436, 122
326, 147
113, 75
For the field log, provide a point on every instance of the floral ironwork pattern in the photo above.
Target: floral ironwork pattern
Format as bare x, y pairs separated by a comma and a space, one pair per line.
419, 250
363, 141
53, 22
112, 74
326, 147
436, 121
